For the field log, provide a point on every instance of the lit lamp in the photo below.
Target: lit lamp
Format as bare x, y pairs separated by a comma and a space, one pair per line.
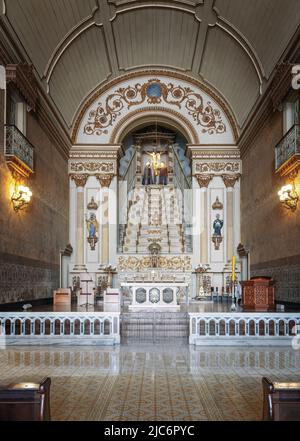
21, 197
288, 196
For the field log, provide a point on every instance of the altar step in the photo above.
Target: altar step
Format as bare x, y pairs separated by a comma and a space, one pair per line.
154, 327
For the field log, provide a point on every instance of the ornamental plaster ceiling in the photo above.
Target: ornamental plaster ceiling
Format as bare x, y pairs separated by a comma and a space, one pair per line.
77, 46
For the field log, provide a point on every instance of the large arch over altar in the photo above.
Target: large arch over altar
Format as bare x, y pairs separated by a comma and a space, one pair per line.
191, 218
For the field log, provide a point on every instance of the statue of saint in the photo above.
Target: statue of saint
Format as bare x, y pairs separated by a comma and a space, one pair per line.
92, 226
147, 176
217, 225
163, 174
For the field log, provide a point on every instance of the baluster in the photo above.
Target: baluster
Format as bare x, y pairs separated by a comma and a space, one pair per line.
42, 326
92, 327
207, 327
256, 325
23, 327
267, 327
32, 327
277, 327
247, 327
101, 327
227, 327
52, 325
62, 327
286, 328
217, 328
81, 327
71, 326
237, 328
12, 327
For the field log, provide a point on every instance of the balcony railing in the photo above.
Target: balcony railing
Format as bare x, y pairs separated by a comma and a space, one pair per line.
19, 152
287, 151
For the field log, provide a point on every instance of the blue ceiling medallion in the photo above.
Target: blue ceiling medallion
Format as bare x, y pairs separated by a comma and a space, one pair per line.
154, 90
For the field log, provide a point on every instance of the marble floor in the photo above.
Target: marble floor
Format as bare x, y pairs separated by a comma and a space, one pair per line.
152, 382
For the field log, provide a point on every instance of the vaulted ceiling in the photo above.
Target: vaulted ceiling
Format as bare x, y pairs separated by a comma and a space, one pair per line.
78, 45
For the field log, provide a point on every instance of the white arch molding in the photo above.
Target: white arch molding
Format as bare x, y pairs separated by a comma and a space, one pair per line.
146, 116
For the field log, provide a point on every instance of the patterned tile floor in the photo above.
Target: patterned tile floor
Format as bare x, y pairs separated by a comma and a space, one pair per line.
152, 382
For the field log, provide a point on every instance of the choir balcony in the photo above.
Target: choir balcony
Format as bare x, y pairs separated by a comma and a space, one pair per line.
287, 151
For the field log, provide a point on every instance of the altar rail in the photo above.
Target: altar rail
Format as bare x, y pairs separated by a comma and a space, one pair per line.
59, 328
259, 329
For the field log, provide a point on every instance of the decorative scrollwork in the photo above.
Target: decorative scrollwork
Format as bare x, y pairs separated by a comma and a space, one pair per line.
154, 92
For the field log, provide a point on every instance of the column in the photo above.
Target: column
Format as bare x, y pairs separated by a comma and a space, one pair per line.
229, 181
105, 181
203, 181
80, 181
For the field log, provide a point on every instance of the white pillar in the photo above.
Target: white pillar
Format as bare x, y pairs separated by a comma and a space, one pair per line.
80, 181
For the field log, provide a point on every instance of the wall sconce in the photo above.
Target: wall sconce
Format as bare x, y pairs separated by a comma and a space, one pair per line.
21, 197
288, 196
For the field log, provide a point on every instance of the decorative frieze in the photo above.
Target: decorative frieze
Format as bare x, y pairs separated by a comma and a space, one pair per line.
175, 263
92, 167
230, 180
203, 180
154, 92
79, 179
217, 167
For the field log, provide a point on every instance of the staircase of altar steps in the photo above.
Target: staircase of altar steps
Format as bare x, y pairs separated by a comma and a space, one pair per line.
155, 215
154, 327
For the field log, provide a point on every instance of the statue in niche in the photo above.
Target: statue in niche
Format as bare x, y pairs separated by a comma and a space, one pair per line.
163, 174
148, 175
217, 227
92, 226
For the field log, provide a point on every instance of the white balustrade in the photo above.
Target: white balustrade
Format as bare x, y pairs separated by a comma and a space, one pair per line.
238, 328
56, 327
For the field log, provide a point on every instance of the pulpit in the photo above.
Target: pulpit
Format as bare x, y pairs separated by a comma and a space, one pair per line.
258, 293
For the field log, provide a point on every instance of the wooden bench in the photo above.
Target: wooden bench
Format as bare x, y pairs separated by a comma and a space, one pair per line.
25, 401
281, 401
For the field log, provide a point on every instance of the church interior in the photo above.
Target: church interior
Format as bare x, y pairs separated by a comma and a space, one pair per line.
149, 210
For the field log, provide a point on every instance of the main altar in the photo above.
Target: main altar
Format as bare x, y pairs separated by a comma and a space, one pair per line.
155, 295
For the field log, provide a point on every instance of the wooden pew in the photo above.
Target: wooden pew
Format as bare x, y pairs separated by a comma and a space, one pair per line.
281, 401
26, 401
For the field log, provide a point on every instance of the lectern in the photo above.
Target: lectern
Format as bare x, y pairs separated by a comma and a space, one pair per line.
258, 293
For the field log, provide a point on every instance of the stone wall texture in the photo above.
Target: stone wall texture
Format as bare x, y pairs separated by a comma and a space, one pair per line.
270, 231
30, 240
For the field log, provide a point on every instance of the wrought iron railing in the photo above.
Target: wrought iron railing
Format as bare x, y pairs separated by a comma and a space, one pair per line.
288, 146
18, 145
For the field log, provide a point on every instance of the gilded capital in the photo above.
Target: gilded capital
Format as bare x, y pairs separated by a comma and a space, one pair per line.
203, 180
79, 179
105, 179
230, 180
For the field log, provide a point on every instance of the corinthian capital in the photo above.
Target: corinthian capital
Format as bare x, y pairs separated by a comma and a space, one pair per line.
230, 180
203, 180
79, 179
105, 179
